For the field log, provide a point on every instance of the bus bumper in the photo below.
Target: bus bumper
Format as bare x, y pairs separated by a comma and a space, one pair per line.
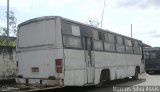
40, 82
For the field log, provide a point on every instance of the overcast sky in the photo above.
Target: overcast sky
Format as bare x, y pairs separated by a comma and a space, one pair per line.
118, 14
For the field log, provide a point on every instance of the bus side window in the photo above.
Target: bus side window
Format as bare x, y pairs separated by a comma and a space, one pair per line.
146, 55
98, 45
75, 30
70, 29
95, 35
100, 36
153, 55
71, 35
119, 44
72, 41
128, 45
98, 40
66, 28
111, 38
136, 48
106, 37
109, 44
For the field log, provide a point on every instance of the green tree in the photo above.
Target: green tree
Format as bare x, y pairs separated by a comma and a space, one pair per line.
12, 30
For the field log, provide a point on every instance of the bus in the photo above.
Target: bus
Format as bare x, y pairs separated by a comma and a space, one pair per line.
152, 59
57, 51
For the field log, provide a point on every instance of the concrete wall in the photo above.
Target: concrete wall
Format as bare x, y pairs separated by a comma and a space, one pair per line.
8, 65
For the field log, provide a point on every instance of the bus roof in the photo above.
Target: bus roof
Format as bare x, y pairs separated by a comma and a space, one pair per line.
69, 20
152, 49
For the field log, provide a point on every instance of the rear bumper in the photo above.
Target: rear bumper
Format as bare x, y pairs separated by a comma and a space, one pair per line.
40, 82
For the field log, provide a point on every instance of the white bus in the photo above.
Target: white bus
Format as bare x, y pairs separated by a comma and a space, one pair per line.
56, 51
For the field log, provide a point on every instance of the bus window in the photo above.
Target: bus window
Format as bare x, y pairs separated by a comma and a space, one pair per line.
146, 54
119, 44
111, 37
95, 35
98, 45
136, 50
66, 28
136, 44
72, 41
120, 48
119, 40
70, 29
106, 37
75, 30
129, 48
71, 35
100, 36
136, 47
128, 42
153, 55
109, 46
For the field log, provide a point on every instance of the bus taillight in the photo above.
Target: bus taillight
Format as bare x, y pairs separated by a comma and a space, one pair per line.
58, 63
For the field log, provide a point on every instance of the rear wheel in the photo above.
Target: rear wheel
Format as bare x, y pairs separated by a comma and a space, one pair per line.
102, 80
105, 77
135, 77
147, 71
127, 78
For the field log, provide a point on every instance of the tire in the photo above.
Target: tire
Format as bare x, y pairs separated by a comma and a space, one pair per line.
102, 81
135, 77
104, 77
147, 71
127, 78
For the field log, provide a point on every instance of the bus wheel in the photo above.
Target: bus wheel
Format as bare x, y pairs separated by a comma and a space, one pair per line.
147, 71
102, 80
104, 77
135, 77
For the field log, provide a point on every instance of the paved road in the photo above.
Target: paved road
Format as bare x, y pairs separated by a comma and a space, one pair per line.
126, 84
109, 86
151, 80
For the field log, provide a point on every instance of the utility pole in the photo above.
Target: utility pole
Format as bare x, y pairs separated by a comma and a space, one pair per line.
131, 30
7, 22
102, 14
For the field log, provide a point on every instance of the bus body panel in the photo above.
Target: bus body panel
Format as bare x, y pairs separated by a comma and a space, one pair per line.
43, 60
39, 45
74, 67
120, 65
109, 59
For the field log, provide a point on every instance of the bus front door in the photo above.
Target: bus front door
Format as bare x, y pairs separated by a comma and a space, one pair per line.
89, 61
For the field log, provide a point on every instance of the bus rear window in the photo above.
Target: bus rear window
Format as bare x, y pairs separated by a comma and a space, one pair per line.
37, 33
